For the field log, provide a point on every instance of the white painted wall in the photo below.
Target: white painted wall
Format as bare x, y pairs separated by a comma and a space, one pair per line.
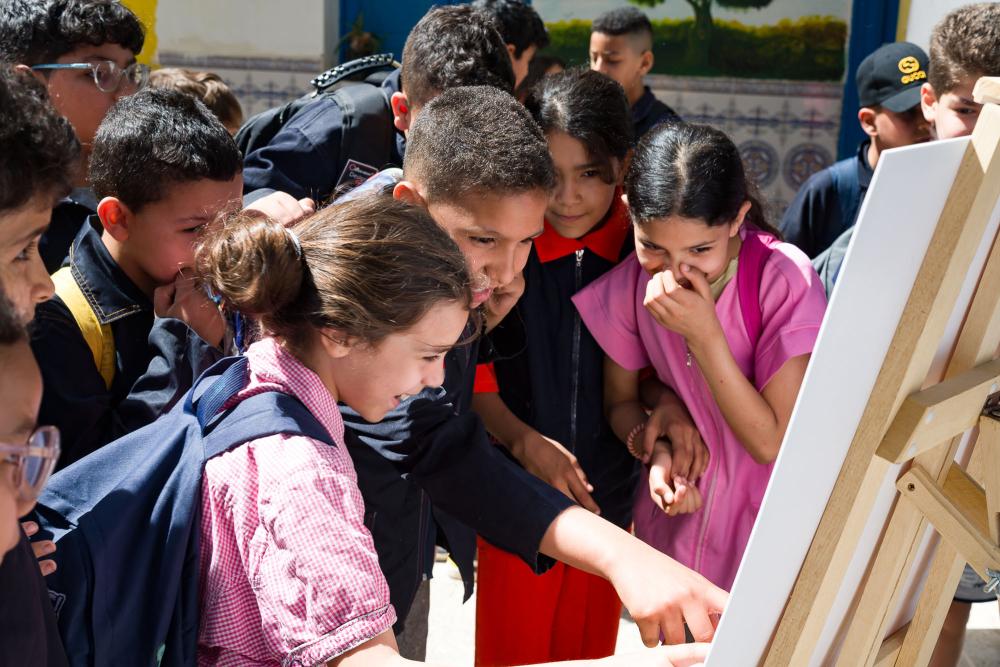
242, 28
923, 15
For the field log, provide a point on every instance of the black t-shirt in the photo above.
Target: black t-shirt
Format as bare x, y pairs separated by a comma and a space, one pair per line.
28, 631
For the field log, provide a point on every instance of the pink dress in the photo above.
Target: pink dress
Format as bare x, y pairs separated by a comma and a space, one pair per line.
289, 573
710, 541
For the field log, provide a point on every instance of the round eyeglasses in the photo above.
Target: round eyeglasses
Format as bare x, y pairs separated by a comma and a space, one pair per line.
33, 462
108, 76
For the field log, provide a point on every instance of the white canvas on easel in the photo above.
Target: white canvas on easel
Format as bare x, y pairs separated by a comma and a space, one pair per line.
896, 223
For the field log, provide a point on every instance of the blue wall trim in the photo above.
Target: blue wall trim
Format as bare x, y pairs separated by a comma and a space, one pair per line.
873, 23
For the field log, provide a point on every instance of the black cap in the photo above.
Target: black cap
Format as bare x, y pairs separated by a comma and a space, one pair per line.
891, 77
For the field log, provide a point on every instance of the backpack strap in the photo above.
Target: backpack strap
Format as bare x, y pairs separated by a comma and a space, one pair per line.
754, 254
98, 336
845, 181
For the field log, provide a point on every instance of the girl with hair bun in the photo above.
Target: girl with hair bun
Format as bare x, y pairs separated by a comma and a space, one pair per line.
357, 304
727, 316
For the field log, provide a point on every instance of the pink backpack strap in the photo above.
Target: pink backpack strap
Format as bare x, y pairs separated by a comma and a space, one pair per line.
754, 253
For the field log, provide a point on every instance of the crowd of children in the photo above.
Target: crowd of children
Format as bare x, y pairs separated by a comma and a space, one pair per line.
561, 321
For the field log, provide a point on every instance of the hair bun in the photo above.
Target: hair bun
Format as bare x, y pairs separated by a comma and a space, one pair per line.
254, 263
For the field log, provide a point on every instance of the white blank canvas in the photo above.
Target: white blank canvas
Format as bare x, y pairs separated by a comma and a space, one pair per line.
896, 223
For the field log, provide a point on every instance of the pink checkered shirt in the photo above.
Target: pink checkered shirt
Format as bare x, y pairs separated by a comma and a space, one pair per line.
289, 573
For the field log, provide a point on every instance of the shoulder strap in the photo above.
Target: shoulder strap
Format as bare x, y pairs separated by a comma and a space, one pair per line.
753, 256
98, 336
845, 181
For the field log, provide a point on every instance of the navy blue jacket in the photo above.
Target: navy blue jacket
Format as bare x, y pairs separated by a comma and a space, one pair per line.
68, 217
156, 359
814, 220
550, 370
432, 450
649, 111
303, 159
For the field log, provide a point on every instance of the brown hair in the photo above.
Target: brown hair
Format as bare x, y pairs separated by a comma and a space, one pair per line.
205, 86
965, 45
367, 268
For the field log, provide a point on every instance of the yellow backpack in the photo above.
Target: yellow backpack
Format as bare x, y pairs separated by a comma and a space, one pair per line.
98, 336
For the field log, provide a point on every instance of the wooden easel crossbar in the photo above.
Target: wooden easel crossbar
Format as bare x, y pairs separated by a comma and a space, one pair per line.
924, 429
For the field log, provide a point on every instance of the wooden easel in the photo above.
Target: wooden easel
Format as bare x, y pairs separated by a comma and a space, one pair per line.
926, 429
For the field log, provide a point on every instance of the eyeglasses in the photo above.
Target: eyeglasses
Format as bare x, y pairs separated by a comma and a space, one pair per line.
33, 461
108, 76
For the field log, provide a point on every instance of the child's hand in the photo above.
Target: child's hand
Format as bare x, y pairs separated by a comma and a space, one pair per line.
555, 465
677, 655
671, 420
689, 312
185, 300
672, 493
41, 549
283, 208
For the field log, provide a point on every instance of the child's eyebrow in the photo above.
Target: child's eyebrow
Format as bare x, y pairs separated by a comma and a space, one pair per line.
34, 233
589, 165
971, 103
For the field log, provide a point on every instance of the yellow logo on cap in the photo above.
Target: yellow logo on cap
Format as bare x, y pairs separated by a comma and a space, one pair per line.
910, 67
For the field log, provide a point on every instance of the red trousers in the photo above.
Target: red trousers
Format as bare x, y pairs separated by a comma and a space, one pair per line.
523, 618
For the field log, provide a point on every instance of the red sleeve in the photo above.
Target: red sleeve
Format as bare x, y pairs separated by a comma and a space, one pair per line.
486, 380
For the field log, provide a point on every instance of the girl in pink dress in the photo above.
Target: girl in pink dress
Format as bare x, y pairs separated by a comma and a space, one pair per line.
726, 315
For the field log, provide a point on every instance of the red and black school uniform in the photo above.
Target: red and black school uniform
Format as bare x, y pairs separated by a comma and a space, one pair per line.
549, 373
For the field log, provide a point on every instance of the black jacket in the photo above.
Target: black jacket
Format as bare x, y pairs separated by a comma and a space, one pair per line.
550, 371
814, 220
303, 159
28, 631
649, 111
156, 359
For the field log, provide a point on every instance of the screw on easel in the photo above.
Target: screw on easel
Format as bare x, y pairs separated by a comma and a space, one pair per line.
993, 585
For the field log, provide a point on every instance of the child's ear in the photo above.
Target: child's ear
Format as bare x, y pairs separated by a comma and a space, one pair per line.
116, 218
406, 191
402, 114
928, 102
741, 218
646, 62
626, 161
335, 343
866, 118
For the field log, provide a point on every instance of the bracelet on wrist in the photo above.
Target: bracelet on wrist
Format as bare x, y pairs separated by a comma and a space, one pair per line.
630, 440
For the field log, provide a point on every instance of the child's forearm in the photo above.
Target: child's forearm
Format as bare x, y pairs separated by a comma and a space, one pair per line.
501, 423
751, 418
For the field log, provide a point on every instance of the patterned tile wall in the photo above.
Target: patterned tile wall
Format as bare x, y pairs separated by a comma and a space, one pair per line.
786, 131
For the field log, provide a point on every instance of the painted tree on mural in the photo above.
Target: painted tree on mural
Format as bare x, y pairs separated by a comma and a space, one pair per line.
700, 41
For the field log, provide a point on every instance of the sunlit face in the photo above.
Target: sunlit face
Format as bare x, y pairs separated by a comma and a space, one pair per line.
74, 94
581, 198
161, 236
953, 114
894, 129
494, 233
20, 396
23, 278
373, 380
620, 58
667, 243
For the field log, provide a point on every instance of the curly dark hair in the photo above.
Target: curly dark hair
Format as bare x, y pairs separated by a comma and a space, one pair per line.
157, 138
476, 139
965, 45
39, 31
452, 46
39, 153
519, 24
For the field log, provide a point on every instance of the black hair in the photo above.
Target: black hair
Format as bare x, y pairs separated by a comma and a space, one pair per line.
589, 107
519, 24
692, 171
33, 32
624, 21
454, 46
476, 139
12, 330
39, 153
157, 138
